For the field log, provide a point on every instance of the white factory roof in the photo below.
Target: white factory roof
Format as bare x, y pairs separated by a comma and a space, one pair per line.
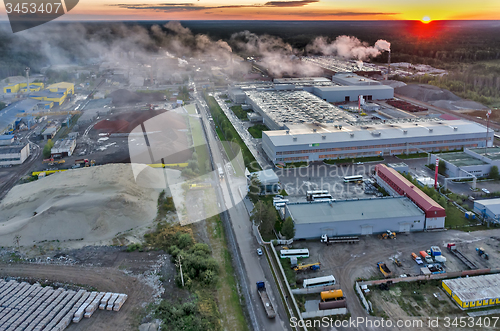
314, 133
352, 210
353, 79
354, 87
289, 107
475, 288
492, 204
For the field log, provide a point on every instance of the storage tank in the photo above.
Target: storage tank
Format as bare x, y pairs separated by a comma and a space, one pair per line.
332, 304
331, 295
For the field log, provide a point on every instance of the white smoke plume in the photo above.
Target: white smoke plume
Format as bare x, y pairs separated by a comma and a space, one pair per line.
383, 45
347, 47
278, 57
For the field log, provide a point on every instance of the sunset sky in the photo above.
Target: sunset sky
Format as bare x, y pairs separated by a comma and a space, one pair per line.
282, 10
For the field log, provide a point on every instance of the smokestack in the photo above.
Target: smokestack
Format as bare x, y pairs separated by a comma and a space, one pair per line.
389, 64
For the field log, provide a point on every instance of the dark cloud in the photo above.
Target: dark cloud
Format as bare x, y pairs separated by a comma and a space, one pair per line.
299, 3
172, 7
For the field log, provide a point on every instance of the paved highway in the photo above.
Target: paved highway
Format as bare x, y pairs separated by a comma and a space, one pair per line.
252, 267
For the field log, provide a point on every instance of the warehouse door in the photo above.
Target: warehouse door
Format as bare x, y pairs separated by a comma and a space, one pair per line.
330, 232
404, 227
366, 229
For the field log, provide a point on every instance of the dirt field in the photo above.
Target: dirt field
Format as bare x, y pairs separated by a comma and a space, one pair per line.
120, 272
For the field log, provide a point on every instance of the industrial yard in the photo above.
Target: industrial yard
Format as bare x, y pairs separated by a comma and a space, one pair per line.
175, 182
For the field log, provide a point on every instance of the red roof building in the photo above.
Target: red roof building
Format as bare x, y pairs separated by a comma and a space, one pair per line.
393, 180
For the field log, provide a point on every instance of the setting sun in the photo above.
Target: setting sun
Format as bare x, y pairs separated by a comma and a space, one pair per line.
426, 19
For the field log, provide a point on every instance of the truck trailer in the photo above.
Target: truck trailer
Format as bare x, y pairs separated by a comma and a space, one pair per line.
261, 288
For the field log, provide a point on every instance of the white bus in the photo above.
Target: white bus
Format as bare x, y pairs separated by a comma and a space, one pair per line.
319, 281
310, 194
322, 197
288, 253
353, 179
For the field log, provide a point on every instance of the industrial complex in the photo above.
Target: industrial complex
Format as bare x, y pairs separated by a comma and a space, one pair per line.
314, 142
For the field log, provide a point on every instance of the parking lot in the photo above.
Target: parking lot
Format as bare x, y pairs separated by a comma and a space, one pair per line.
320, 176
349, 262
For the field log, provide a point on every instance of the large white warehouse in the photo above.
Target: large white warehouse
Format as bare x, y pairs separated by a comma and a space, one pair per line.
354, 217
313, 142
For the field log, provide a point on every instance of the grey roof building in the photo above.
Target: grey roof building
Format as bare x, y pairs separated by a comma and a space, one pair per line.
14, 154
489, 209
313, 142
354, 217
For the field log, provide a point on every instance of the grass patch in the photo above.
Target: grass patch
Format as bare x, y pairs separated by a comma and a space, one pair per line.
256, 130
292, 165
239, 112
229, 133
351, 160
411, 156
289, 272
230, 154
227, 287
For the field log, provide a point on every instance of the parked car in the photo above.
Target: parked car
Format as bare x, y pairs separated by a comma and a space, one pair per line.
485, 191
259, 252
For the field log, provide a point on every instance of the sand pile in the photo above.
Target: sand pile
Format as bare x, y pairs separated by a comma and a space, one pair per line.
91, 203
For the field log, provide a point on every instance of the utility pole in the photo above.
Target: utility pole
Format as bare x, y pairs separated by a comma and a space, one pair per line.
28, 79
179, 264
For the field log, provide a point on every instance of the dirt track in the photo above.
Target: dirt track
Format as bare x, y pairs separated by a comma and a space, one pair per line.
103, 279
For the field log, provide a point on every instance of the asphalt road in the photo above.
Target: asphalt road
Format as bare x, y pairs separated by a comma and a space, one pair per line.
252, 267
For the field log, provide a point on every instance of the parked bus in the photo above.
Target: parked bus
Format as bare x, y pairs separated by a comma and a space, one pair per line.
319, 281
310, 194
322, 197
353, 179
288, 253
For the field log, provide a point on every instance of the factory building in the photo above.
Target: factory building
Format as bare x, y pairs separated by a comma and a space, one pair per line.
6, 140
22, 87
49, 132
350, 79
56, 93
474, 292
354, 217
62, 148
11, 116
316, 142
280, 109
14, 154
489, 209
352, 93
333, 65
394, 183
472, 161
